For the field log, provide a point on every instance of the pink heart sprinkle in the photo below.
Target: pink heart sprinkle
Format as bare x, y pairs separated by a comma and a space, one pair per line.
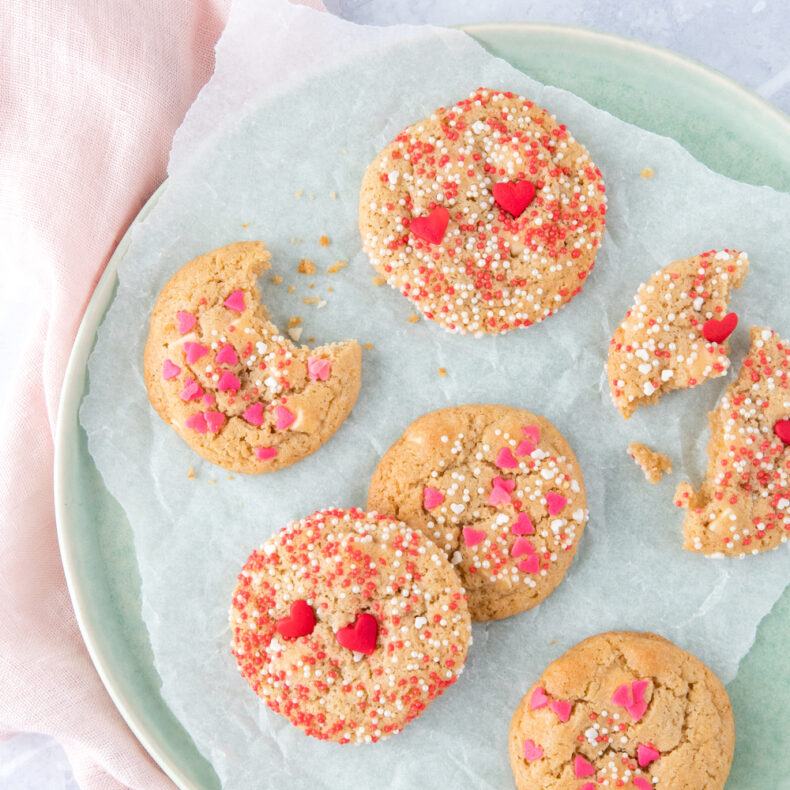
194, 351
623, 696
646, 754
169, 370
525, 447
523, 525
520, 547
532, 751
531, 432
473, 536
562, 708
318, 368
197, 422
508, 485
637, 710
582, 767
236, 301
505, 459
638, 688
191, 390
265, 453
539, 698
209, 399
530, 565
227, 381
185, 321
588, 786
227, 355
283, 418
254, 414
555, 503
642, 784
215, 420
431, 497
500, 492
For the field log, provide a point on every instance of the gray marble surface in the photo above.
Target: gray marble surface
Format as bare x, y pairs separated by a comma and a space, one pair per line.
746, 40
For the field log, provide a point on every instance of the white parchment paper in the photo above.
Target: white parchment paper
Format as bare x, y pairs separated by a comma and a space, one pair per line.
300, 103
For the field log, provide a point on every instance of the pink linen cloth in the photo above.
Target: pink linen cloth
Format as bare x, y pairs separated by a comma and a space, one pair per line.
90, 96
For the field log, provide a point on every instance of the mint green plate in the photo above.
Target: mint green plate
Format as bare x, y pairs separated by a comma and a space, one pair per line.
725, 126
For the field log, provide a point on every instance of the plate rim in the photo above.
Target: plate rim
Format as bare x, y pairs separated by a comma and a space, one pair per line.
101, 298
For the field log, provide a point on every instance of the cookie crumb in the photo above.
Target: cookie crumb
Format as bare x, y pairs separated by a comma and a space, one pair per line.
330, 289
306, 266
277, 279
212, 479
647, 172
333, 195
295, 333
191, 473
293, 321
652, 463
245, 224
367, 346
291, 289
324, 241
442, 372
311, 340
336, 267
298, 193
230, 477
379, 280
312, 197
414, 318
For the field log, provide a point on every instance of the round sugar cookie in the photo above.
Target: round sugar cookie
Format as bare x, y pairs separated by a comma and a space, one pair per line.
349, 624
488, 215
228, 382
623, 709
499, 490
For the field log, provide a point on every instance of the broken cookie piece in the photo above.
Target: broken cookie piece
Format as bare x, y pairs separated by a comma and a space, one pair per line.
653, 464
743, 505
675, 334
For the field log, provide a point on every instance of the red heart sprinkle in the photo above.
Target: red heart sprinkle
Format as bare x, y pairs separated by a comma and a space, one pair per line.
432, 226
782, 430
361, 635
514, 196
300, 622
715, 331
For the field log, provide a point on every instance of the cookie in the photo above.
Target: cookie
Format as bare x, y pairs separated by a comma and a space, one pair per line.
499, 490
349, 624
743, 505
675, 334
487, 215
652, 463
225, 379
623, 709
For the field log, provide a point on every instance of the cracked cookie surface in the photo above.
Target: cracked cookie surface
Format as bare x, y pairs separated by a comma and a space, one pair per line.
675, 334
488, 215
349, 624
228, 382
623, 709
499, 490
743, 504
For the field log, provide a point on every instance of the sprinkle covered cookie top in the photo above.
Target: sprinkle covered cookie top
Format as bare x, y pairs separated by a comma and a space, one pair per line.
743, 505
623, 710
349, 624
675, 334
497, 489
488, 214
